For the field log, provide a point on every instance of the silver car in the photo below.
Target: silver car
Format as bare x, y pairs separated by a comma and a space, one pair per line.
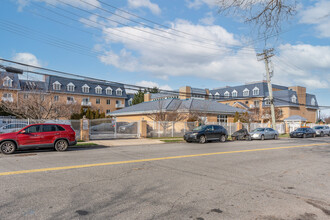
322, 130
264, 133
13, 127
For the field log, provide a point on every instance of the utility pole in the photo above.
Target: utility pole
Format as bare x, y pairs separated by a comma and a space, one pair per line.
265, 56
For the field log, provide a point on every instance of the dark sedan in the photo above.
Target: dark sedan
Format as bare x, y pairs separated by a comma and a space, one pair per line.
205, 133
303, 133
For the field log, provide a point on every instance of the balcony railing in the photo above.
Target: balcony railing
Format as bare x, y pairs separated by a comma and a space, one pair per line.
86, 103
120, 105
7, 99
70, 102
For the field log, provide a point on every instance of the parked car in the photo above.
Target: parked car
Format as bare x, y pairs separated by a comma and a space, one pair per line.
205, 133
128, 128
56, 136
264, 133
322, 130
12, 127
241, 134
104, 127
303, 133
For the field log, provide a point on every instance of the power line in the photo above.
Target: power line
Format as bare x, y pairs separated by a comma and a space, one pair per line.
137, 88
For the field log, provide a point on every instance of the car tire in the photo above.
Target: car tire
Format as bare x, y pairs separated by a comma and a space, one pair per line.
276, 137
322, 134
61, 145
262, 137
188, 141
304, 136
202, 139
222, 138
249, 138
7, 147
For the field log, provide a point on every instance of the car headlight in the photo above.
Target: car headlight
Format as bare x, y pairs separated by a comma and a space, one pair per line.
256, 135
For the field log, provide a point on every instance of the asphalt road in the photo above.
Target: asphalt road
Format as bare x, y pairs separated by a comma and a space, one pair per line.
266, 180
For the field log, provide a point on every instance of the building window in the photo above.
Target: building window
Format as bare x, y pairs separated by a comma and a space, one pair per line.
85, 88
70, 87
130, 102
98, 90
280, 112
294, 99
57, 85
246, 102
25, 96
222, 118
313, 101
234, 93
85, 101
56, 98
7, 96
69, 99
98, 101
217, 95
267, 101
256, 103
7, 82
108, 101
108, 91
226, 94
246, 92
119, 92
108, 111
255, 91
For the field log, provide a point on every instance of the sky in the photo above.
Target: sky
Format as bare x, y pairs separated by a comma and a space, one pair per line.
166, 43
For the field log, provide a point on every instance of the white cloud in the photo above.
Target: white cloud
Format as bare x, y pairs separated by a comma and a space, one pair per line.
303, 64
196, 4
208, 19
318, 15
151, 84
27, 58
154, 8
23, 3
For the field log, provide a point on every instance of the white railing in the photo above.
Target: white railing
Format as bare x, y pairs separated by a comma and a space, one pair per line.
120, 105
86, 103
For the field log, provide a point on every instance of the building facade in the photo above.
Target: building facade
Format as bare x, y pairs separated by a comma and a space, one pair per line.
101, 96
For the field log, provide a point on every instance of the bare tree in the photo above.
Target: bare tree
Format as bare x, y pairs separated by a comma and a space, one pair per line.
266, 15
36, 104
166, 117
266, 114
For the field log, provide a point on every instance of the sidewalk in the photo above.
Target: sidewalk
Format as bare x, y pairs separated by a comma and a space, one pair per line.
126, 142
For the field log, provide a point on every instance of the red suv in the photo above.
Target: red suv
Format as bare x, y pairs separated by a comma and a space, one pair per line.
58, 136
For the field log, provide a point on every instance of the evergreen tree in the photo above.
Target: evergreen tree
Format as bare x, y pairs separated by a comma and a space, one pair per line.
138, 97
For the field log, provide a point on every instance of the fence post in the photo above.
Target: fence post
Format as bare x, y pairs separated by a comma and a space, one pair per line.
143, 129
84, 129
172, 129
115, 134
158, 132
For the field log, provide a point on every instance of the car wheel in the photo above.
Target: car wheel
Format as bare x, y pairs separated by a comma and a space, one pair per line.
275, 137
61, 145
223, 138
8, 147
304, 135
188, 141
202, 139
322, 134
249, 138
262, 137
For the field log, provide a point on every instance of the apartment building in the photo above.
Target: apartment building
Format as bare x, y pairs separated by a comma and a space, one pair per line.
105, 97
253, 97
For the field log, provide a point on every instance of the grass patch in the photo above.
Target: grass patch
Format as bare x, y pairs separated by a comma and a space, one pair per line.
86, 144
80, 141
284, 135
172, 140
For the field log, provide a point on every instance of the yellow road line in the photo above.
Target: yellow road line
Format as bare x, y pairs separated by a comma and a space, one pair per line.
150, 159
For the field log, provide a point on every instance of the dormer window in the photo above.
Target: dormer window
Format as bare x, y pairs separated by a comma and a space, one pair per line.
119, 91
98, 90
226, 94
313, 102
255, 91
267, 101
210, 96
246, 92
217, 95
108, 91
130, 101
7, 82
234, 93
70, 87
85, 88
294, 99
57, 85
